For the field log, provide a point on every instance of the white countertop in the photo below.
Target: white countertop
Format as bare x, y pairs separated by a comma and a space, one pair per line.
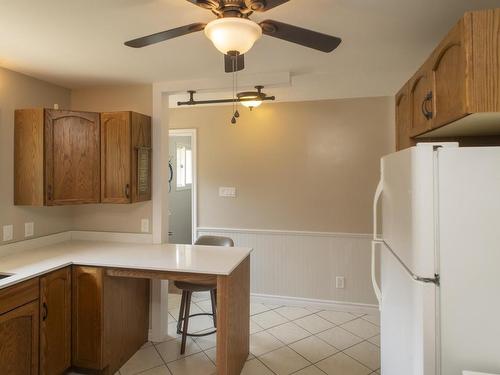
214, 260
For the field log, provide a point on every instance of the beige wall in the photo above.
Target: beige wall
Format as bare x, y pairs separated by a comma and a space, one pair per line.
306, 166
112, 217
20, 91
309, 166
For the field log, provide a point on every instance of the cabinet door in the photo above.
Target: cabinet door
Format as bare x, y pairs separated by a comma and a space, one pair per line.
403, 123
421, 103
87, 317
141, 137
72, 173
115, 157
55, 322
449, 78
19, 340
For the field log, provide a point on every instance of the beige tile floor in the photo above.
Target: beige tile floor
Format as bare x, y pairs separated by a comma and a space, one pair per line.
284, 340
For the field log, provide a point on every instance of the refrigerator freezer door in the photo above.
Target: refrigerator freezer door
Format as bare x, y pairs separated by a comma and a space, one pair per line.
469, 255
408, 207
408, 321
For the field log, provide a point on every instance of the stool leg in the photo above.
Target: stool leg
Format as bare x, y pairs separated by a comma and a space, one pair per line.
186, 322
213, 297
181, 312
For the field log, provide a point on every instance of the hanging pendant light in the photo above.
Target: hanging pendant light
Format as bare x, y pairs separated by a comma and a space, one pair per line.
252, 99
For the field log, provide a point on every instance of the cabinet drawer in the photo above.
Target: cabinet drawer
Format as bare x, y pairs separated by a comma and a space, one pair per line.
18, 295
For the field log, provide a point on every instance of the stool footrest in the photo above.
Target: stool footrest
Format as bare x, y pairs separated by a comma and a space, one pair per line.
179, 325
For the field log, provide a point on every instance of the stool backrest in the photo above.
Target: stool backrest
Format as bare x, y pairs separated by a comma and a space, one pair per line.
214, 241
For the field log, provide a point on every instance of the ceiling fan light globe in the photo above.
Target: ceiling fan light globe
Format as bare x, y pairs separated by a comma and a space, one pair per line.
233, 34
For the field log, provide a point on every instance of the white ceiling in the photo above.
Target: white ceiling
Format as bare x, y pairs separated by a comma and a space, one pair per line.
78, 43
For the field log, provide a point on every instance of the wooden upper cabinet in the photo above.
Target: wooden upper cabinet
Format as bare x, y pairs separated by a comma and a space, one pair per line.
56, 157
449, 77
458, 87
72, 157
421, 101
125, 137
115, 157
55, 322
403, 120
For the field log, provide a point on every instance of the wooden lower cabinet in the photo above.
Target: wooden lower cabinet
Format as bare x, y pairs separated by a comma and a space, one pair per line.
55, 322
110, 318
87, 317
19, 340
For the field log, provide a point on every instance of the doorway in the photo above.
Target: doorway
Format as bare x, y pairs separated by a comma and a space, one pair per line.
182, 186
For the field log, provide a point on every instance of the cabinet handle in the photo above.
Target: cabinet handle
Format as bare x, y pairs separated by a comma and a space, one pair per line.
49, 192
45, 312
428, 98
127, 191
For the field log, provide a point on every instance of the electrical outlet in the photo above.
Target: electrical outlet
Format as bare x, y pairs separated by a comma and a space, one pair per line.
29, 229
8, 232
145, 225
340, 282
228, 192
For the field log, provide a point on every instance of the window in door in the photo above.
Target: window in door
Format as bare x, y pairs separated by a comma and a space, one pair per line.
184, 167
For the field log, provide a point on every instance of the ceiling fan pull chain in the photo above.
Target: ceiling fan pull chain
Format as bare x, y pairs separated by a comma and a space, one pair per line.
236, 102
233, 120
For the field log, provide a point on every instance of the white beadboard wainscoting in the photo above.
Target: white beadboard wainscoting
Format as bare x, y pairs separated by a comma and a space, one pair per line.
300, 267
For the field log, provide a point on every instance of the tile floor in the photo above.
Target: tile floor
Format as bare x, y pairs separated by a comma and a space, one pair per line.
284, 340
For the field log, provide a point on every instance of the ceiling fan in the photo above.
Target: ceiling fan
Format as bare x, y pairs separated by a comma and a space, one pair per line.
234, 34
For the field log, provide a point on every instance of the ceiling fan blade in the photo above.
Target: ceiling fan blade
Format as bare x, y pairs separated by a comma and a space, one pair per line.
298, 35
264, 5
165, 35
205, 4
239, 63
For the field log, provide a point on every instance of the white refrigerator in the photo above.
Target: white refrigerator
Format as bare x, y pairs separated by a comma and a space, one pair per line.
437, 237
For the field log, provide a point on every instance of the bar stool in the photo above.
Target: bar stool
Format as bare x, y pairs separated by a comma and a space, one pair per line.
187, 291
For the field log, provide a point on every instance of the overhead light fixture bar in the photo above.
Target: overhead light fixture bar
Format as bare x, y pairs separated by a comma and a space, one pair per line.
249, 99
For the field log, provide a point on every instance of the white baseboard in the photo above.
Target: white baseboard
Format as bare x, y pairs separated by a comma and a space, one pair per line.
359, 308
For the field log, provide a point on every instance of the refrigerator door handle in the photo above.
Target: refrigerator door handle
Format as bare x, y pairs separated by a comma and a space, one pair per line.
376, 239
378, 194
376, 288
429, 280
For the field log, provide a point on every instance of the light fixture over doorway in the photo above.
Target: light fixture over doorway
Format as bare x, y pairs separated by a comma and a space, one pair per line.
252, 99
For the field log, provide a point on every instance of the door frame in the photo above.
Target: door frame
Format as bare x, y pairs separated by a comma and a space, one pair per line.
194, 186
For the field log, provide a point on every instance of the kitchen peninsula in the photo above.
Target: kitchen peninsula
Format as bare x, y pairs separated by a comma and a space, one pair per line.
100, 293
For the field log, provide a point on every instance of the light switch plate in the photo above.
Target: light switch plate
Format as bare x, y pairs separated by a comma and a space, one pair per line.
8, 232
145, 225
225, 191
29, 229
340, 282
